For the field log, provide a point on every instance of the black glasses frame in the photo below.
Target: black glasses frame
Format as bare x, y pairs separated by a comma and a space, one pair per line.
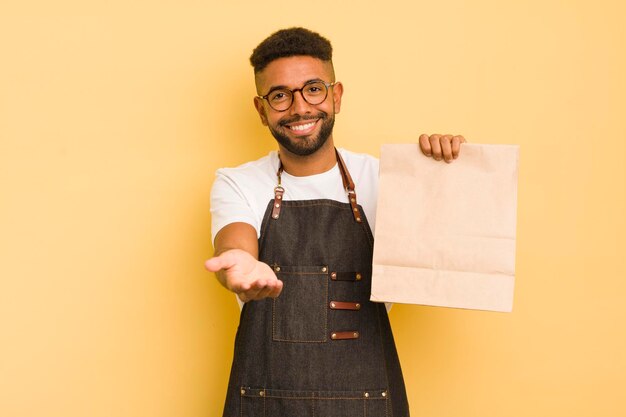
293, 93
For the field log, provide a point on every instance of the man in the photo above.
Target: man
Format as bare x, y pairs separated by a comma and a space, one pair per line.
292, 240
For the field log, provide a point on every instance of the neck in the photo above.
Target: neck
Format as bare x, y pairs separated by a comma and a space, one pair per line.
316, 163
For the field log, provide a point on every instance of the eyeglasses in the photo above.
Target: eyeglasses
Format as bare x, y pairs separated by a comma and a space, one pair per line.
313, 92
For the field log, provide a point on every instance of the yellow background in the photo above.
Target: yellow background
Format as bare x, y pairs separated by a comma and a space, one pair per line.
115, 114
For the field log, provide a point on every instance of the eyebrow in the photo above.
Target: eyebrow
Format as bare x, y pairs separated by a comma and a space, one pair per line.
284, 87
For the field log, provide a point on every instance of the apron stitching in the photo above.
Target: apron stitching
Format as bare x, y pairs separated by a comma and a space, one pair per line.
264, 224
382, 348
325, 339
386, 402
314, 397
321, 204
326, 310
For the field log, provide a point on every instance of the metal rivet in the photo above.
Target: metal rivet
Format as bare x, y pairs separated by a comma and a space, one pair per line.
355, 334
357, 306
276, 205
261, 393
333, 305
333, 275
324, 269
277, 268
353, 200
355, 209
384, 394
275, 216
358, 277
279, 197
358, 219
367, 394
243, 391
333, 336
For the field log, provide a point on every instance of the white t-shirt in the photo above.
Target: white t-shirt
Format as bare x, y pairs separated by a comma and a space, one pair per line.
241, 194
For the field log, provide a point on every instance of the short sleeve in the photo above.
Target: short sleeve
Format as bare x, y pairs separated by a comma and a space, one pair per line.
229, 205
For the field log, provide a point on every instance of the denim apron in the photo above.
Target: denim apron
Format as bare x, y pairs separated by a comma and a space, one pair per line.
320, 349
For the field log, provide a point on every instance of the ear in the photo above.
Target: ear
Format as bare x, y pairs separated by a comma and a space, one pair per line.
260, 108
337, 93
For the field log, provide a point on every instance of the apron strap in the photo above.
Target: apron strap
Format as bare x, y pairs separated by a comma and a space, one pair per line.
348, 185
278, 200
278, 193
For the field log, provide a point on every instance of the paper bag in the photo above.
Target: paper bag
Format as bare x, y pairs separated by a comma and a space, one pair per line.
445, 233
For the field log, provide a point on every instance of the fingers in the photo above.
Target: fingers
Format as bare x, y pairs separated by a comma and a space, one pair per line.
261, 289
431, 146
425, 145
456, 145
252, 291
435, 146
446, 147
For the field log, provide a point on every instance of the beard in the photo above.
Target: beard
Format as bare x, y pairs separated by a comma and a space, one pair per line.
304, 145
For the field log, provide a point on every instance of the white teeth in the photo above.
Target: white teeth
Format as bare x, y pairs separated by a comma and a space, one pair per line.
302, 127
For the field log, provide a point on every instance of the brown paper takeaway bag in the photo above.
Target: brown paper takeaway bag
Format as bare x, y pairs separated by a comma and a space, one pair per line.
445, 233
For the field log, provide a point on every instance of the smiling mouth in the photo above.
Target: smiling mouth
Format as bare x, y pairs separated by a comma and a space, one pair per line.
302, 127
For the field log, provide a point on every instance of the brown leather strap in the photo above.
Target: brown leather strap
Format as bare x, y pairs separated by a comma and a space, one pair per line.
278, 201
352, 334
348, 184
344, 305
346, 276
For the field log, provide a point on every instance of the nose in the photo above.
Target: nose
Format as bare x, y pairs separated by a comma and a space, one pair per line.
299, 105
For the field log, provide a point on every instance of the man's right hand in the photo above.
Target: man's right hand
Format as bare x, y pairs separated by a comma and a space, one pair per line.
242, 274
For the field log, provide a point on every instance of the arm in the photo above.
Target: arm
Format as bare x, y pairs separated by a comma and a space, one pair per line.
237, 267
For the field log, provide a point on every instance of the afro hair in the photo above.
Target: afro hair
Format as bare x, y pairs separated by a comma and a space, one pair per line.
290, 42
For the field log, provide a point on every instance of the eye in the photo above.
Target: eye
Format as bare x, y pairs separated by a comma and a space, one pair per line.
278, 96
315, 89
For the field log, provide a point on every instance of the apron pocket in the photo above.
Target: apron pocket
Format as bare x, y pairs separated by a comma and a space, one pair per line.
299, 313
286, 403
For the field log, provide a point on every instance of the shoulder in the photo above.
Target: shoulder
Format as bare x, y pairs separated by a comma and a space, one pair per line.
251, 178
260, 169
251, 183
241, 193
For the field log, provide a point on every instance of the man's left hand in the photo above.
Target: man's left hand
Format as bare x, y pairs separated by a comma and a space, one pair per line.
446, 147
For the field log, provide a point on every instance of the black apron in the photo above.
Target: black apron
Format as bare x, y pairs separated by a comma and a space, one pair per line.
321, 349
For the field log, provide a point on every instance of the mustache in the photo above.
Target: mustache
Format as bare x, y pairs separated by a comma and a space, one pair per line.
293, 119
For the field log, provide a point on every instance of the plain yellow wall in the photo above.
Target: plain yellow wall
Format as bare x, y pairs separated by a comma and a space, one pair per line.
115, 114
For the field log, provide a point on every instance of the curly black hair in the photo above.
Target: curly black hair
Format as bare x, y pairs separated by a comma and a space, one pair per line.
290, 42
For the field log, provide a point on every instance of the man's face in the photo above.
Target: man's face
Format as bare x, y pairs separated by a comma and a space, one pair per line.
303, 128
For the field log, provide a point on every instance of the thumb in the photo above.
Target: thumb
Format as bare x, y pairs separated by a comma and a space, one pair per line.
217, 263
